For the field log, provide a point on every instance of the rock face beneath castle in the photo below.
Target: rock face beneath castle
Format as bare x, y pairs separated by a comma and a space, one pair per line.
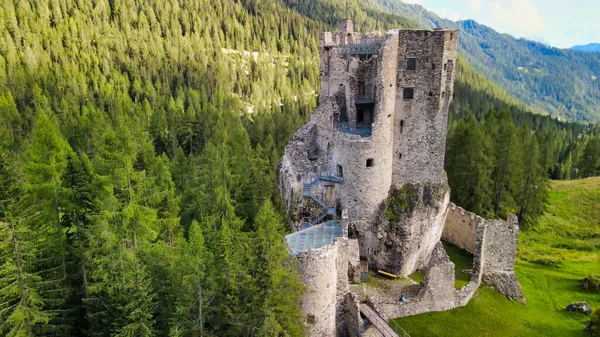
374, 148
409, 227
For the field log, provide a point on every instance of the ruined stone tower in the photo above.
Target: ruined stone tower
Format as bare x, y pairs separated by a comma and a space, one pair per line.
380, 126
365, 187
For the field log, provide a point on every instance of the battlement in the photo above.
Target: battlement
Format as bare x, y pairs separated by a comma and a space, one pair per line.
346, 35
461, 227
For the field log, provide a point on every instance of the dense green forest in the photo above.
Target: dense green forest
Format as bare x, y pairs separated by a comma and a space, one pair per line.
135, 199
561, 82
499, 155
139, 143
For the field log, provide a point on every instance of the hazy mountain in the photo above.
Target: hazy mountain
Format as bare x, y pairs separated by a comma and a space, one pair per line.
590, 47
560, 82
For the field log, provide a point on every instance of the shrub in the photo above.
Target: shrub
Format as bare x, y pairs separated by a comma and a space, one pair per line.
591, 283
594, 324
547, 262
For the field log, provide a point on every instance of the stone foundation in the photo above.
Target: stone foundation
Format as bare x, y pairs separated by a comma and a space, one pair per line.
410, 225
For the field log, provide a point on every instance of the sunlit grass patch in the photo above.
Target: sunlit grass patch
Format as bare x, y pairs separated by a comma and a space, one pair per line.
553, 257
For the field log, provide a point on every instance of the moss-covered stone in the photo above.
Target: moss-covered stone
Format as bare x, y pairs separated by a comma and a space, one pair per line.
401, 201
591, 283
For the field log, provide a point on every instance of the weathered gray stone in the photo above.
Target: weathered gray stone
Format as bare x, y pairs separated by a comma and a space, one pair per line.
380, 127
591, 283
505, 283
353, 260
499, 254
355, 322
461, 228
582, 307
318, 272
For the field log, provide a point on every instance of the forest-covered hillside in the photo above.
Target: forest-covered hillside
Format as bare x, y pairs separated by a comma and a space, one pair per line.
134, 196
138, 148
590, 47
560, 82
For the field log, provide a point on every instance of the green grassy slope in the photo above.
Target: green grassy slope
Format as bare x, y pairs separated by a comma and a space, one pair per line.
552, 259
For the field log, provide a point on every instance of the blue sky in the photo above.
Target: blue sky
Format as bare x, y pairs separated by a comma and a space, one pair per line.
559, 23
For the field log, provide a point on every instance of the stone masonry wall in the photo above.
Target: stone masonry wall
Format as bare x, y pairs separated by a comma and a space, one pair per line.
420, 129
437, 291
364, 188
461, 228
355, 322
324, 272
341, 287
493, 264
500, 250
501, 244
318, 271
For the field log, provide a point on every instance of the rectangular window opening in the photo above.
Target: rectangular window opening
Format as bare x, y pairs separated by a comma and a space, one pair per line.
409, 93
370, 162
362, 90
411, 64
340, 170
360, 116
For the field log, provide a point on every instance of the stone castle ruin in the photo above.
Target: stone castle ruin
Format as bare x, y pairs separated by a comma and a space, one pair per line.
365, 187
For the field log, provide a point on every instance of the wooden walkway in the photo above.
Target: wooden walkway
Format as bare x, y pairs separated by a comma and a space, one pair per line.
377, 321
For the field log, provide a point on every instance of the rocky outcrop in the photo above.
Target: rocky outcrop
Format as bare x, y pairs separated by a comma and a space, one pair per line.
410, 225
505, 283
581, 307
591, 283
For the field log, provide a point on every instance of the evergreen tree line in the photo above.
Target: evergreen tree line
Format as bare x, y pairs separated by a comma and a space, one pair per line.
136, 199
138, 148
499, 155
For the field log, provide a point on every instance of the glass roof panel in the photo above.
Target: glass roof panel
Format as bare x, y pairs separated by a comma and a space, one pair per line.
314, 237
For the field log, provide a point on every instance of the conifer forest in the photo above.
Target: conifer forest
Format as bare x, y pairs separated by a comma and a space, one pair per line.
139, 143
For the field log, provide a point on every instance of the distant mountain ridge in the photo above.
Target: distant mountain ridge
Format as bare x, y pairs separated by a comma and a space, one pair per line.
590, 47
561, 82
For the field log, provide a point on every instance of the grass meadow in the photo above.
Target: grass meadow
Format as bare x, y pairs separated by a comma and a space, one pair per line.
552, 258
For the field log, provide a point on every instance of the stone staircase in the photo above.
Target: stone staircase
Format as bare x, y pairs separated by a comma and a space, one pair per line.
307, 193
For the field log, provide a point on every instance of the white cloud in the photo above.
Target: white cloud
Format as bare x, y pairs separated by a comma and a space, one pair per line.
520, 17
474, 5
451, 14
